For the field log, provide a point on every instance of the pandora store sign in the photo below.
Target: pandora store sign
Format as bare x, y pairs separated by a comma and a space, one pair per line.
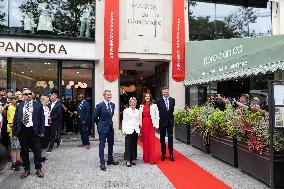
51, 49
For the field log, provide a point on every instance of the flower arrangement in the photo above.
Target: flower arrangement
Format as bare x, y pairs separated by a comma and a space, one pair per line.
251, 128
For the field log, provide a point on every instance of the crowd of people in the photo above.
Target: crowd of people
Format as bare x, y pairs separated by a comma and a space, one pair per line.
32, 123
245, 101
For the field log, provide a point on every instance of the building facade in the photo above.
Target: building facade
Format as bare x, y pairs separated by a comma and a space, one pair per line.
61, 45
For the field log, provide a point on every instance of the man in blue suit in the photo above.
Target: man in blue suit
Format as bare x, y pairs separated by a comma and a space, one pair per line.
29, 126
103, 117
84, 115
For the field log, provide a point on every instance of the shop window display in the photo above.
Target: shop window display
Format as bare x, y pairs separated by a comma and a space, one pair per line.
37, 75
61, 18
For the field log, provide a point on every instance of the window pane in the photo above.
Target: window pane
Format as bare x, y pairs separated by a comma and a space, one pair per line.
3, 73
209, 21
3, 16
38, 75
66, 18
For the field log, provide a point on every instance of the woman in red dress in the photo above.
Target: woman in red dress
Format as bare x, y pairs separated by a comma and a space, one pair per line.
149, 120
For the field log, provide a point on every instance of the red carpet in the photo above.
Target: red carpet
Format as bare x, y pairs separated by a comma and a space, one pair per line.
183, 173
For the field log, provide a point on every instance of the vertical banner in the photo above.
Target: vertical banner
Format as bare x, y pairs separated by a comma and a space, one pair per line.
111, 40
178, 41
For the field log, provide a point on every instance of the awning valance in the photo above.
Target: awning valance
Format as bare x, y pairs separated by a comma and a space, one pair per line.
217, 60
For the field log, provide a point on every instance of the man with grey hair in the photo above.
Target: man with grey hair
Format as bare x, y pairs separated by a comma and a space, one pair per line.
103, 118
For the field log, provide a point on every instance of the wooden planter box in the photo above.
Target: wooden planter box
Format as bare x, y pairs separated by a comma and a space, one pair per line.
197, 141
225, 149
182, 133
255, 164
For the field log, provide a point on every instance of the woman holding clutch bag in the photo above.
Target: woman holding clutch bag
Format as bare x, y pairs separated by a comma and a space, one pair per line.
130, 127
149, 119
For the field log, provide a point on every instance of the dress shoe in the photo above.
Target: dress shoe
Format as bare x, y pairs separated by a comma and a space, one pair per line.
112, 162
25, 174
103, 167
133, 163
49, 150
59, 143
172, 157
39, 173
82, 145
163, 157
128, 164
88, 147
43, 159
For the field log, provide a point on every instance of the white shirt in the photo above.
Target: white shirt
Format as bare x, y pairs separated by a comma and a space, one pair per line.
130, 122
46, 115
30, 112
108, 103
53, 104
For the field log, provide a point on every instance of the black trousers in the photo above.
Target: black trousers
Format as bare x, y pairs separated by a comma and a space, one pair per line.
28, 140
55, 135
166, 128
45, 140
131, 146
109, 137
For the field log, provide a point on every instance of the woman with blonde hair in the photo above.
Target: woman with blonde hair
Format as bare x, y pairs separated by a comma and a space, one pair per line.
149, 120
46, 139
130, 127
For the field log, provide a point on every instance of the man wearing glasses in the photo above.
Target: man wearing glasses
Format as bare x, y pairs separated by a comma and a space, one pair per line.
28, 126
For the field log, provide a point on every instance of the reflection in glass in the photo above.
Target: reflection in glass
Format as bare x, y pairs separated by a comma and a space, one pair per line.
3, 73
67, 18
3, 15
45, 19
37, 75
209, 21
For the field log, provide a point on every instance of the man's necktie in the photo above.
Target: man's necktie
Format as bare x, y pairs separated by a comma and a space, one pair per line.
167, 103
26, 114
109, 108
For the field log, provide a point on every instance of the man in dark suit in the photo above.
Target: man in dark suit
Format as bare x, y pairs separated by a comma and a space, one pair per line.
84, 115
28, 126
166, 107
55, 120
103, 117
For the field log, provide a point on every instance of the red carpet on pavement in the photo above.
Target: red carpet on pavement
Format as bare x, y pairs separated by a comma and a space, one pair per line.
183, 173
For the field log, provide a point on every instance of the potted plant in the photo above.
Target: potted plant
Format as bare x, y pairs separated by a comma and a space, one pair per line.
223, 144
182, 128
200, 132
254, 155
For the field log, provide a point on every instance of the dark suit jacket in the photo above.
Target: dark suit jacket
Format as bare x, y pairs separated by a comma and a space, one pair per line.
166, 115
55, 114
84, 113
103, 117
38, 119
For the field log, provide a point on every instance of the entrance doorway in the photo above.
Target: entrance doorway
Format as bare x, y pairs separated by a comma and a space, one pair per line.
140, 76
77, 78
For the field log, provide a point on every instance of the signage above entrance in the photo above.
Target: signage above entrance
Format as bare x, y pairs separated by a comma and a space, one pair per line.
49, 49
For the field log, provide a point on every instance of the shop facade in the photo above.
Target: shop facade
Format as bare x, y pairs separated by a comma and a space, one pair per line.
69, 52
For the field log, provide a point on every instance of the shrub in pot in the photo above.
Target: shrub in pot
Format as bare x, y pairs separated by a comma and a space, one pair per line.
223, 144
182, 128
253, 148
200, 132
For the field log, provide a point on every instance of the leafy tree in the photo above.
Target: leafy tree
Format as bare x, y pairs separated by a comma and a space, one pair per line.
240, 20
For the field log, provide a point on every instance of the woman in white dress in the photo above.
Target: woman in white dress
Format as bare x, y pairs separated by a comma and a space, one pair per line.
130, 127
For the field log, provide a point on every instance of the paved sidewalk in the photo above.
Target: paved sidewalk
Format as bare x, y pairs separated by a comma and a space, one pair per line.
73, 167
